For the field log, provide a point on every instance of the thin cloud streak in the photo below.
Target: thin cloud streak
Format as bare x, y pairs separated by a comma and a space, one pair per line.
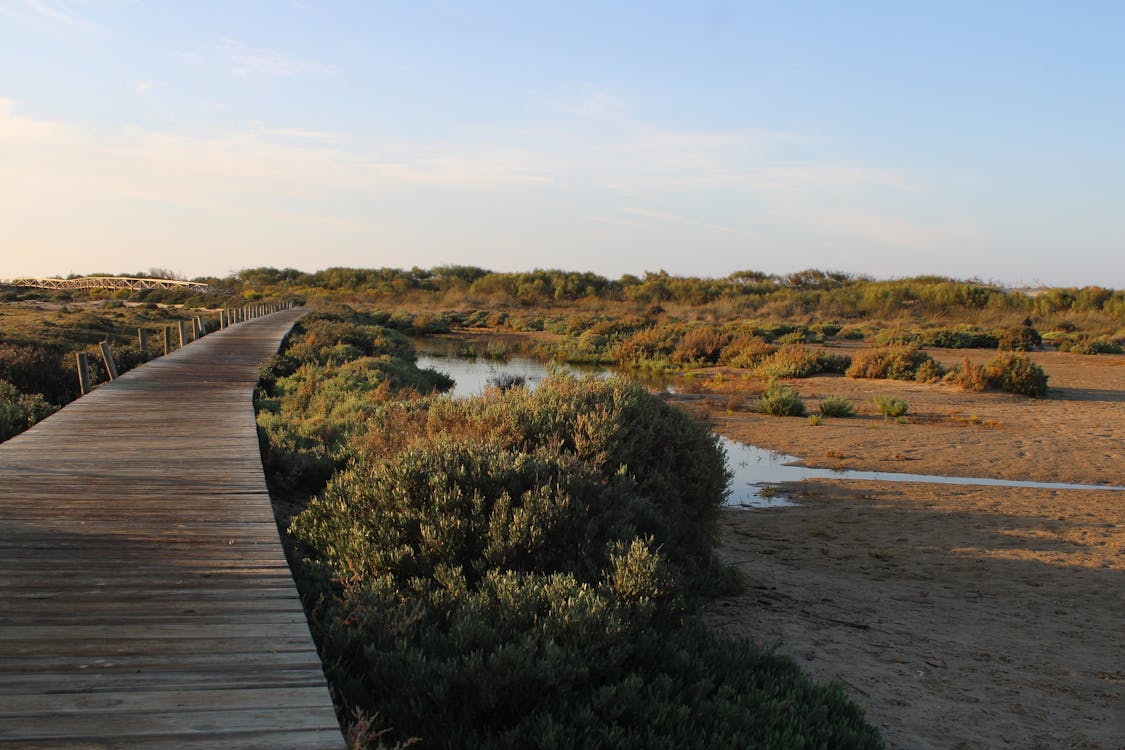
53, 12
246, 61
263, 179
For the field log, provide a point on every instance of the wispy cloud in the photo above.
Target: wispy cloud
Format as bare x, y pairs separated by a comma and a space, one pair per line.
46, 12
246, 61
666, 187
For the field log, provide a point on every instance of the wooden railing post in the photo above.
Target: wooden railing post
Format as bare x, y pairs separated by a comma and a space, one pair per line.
202, 325
107, 357
167, 337
142, 338
183, 333
83, 372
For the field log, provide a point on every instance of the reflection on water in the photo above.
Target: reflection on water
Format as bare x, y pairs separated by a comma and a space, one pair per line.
756, 470
472, 376
758, 467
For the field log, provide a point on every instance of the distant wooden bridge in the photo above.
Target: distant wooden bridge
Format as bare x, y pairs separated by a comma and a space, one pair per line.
105, 282
145, 601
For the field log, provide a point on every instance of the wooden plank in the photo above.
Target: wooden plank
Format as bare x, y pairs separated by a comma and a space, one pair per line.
145, 601
311, 739
181, 700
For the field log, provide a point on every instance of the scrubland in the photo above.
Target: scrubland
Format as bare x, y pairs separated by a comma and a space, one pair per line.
555, 567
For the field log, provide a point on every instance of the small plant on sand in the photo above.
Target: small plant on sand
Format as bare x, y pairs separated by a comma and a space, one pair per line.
816, 419
969, 375
889, 407
781, 401
904, 362
1016, 373
1020, 338
837, 406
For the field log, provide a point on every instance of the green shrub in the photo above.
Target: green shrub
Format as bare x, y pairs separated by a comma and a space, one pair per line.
1081, 344
701, 345
797, 361
889, 407
19, 411
969, 375
650, 345
517, 570
781, 401
853, 333
961, 337
524, 568
894, 363
1019, 339
790, 361
746, 352
40, 369
837, 406
1016, 373
330, 376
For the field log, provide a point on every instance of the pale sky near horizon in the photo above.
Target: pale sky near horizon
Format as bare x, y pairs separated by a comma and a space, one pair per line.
964, 139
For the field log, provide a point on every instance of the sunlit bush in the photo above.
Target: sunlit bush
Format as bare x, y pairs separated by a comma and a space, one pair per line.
836, 406
781, 401
894, 363
1016, 373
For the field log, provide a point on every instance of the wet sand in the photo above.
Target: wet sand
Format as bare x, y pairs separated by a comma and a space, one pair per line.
958, 616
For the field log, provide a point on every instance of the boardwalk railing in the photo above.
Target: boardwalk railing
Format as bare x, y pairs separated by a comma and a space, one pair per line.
224, 318
145, 601
105, 282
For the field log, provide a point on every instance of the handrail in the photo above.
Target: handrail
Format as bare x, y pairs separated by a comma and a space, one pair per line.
105, 282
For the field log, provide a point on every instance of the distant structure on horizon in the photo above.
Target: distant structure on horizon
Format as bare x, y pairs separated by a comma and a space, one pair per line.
105, 282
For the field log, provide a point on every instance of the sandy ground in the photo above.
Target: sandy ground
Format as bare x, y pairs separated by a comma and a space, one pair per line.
958, 616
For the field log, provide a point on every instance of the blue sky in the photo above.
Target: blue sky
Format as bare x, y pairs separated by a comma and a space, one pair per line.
963, 139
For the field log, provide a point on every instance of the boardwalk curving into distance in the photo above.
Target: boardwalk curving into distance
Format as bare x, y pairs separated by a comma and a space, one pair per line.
144, 598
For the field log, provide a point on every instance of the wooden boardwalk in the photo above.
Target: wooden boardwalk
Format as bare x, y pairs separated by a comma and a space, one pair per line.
144, 598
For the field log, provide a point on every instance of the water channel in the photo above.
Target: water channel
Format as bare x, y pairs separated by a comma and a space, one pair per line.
755, 470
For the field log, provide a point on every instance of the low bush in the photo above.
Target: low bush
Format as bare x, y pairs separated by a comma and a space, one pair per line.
519, 570
796, 361
890, 407
19, 411
329, 377
650, 345
969, 375
781, 401
701, 346
961, 337
1080, 344
790, 361
1021, 338
525, 568
836, 406
894, 363
1016, 373
39, 369
746, 351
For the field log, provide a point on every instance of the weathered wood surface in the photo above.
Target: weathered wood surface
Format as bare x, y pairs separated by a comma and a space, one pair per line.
144, 597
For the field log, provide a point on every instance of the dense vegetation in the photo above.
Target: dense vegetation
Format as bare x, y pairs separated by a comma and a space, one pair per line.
768, 324
522, 569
